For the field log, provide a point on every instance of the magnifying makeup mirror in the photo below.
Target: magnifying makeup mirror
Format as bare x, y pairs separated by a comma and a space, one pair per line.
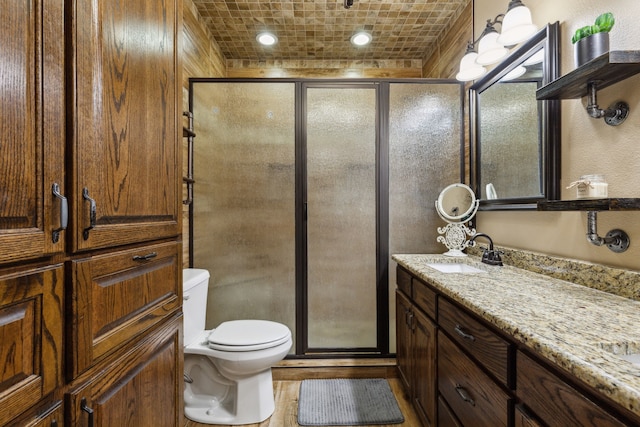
456, 205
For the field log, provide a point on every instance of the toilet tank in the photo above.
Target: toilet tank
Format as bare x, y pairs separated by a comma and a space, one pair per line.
195, 286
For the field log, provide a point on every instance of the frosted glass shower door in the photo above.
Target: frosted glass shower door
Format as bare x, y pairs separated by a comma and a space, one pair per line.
244, 199
341, 217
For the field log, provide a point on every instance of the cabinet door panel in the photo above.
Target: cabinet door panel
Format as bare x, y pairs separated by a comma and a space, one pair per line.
473, 396
556, 402
32, 154
424, 364
403, 340
126, 151
494, 352
31, 338
117, 296
143, 387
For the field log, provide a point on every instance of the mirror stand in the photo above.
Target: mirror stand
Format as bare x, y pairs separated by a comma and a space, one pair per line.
456, 205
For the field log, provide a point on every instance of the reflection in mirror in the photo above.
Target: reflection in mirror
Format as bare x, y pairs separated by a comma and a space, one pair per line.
456, 205
515, 137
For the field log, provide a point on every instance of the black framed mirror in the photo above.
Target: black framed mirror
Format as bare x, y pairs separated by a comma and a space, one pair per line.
515, 139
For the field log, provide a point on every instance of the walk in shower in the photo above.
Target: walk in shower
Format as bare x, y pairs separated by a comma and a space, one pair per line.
303, 190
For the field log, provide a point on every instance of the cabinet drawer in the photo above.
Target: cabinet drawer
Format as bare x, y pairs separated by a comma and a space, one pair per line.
491, 350
117, 296
403, 280
472, 395
30, 338
554, 401
424, 297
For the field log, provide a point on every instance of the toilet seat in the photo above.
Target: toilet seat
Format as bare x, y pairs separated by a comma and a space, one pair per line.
247, 335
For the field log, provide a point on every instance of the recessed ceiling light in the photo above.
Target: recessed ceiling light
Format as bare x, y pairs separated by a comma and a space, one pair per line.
361, 38
266, 39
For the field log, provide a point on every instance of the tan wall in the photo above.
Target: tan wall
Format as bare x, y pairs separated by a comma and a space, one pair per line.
588, 145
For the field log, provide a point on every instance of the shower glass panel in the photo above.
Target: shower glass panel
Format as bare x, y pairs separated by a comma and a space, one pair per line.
341, 211
425, 134
244, 199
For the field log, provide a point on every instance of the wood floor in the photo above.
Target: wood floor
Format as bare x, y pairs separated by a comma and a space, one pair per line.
289, 376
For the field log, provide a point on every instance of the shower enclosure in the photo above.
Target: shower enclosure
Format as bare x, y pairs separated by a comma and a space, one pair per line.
303, 190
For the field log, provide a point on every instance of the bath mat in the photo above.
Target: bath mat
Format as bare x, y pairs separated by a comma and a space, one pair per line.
347, 402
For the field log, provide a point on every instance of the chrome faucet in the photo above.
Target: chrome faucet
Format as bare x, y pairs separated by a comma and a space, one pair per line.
489, 255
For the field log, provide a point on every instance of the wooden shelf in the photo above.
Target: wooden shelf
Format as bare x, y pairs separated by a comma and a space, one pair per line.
606, 70
615, 204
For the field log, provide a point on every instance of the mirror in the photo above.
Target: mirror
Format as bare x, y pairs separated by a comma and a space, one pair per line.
456, 205
515, 138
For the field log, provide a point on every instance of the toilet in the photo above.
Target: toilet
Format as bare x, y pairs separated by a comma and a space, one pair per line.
227, 370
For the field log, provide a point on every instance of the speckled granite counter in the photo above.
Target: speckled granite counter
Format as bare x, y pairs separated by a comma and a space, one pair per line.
575, 327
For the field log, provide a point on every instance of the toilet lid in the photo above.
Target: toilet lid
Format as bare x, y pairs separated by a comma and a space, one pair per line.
248, 335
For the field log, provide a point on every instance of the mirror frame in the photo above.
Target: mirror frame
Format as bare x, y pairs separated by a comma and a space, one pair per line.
549, 121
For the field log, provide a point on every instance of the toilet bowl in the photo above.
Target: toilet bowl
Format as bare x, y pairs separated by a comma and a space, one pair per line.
227, 369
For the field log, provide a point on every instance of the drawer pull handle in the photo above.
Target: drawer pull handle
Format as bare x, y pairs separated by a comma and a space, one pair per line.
92, 213
85, 408
145, 257
464, 395
64, 212
463, 334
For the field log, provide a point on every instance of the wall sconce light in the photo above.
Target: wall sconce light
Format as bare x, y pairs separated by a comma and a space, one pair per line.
266, 39
516, 26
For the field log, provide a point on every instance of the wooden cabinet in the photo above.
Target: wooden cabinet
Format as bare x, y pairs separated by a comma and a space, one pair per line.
141, 387
90, 211
124, 92
32, 122
416, 344
485, 378
475, 398
31, 337
116, 296
555, 402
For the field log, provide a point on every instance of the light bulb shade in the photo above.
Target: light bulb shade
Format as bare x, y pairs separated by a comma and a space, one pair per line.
489, 50
469, 69
517, 26
515, 73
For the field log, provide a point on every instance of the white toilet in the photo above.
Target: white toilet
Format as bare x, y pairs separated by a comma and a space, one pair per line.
228, 369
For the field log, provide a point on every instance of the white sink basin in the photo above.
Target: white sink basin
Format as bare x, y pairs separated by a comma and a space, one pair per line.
633, 358
455, 267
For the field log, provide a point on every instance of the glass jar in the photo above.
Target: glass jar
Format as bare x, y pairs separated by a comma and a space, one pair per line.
592, 187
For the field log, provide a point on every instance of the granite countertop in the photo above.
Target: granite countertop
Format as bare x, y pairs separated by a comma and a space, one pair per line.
580, 329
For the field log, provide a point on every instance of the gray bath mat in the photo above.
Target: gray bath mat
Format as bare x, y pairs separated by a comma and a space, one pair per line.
347, 402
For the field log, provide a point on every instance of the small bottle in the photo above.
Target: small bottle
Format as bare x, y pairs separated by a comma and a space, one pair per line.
591, 187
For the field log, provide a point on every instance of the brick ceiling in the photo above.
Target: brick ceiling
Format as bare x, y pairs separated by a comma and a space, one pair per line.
320, 30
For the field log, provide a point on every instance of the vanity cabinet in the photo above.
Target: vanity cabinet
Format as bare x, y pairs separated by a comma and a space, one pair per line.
416, 344
555, 402
485, 377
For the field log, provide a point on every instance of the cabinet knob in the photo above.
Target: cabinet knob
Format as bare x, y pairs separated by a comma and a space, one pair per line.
464, 394
88, 410
463, 334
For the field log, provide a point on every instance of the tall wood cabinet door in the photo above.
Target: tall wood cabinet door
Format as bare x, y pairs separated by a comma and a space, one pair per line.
403, 340
424, 368
126, 155
141, 388
31, 128
117, 296
31, 313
